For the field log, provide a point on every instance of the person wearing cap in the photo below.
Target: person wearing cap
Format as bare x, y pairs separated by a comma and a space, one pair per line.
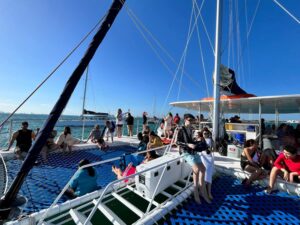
24, 138
188, 149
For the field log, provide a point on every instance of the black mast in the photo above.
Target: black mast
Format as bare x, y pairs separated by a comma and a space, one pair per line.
7, 199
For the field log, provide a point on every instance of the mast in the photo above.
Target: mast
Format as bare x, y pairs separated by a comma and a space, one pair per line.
7, 200
83, 102
216, 110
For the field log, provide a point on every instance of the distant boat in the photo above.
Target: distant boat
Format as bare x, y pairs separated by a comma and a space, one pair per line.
88, 119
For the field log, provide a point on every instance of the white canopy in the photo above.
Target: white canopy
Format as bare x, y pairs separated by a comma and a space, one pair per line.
283, 104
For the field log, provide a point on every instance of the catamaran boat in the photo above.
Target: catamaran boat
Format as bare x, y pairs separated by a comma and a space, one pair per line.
87, 119
158, 188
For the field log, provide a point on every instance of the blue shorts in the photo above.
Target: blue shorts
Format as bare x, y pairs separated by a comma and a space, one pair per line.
192, 159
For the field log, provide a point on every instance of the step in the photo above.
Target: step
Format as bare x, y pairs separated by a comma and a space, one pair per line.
128, 204
112, 217
141, 195
78, 217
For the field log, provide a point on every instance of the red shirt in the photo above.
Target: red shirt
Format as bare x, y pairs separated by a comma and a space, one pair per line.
292, 165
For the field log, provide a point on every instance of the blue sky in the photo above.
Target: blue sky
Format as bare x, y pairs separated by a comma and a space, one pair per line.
125, 72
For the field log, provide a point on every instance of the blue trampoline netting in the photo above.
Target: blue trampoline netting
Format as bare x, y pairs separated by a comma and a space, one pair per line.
235, 204
46, 180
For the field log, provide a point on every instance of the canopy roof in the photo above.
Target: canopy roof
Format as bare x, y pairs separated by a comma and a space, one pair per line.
283, 104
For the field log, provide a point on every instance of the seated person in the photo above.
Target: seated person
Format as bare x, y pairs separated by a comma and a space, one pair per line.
250, 162
287, 165
24, 138
146, 131
160, 130
66, 140
143, 142
154, 141
95, 134
49, 146
102, 145
84, 182
130, 169
267, 159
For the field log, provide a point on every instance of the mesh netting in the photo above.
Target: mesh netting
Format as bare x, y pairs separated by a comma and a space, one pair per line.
234, 204
47, 179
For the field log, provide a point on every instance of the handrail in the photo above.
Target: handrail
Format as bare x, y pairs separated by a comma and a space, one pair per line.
83, 167
5, 168
121, 180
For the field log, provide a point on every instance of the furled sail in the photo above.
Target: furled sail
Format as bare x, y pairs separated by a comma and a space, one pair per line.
228, 82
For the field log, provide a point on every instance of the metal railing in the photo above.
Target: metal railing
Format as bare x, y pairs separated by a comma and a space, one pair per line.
165, 164
83, 167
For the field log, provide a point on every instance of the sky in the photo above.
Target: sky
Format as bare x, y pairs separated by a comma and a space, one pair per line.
129, 70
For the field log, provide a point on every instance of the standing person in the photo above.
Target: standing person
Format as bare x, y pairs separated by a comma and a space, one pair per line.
66, 140
177, 119
188, 149
109, 130
145, 123
95, 134
130, 121
24, 138
207, 160
119, 122
168, 125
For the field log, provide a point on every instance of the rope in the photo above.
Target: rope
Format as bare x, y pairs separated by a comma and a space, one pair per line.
52, 72
285, 10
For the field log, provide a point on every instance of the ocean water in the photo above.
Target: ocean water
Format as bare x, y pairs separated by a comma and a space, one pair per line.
36, 121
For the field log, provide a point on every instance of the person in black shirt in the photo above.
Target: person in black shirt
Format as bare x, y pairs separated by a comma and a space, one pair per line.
145, 120
189, 148
24, 139
130, 121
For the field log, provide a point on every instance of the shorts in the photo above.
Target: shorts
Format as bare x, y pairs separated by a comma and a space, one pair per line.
119, 125
192, 159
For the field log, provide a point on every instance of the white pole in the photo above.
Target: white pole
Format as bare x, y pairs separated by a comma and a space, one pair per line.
217, 73
260, 124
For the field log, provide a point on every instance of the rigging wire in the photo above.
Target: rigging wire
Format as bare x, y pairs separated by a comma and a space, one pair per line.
201, 54
53, 71
247, 41
185, 53
285, 10
248, 34
156, 41
205, 29
230, 31
154, 50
